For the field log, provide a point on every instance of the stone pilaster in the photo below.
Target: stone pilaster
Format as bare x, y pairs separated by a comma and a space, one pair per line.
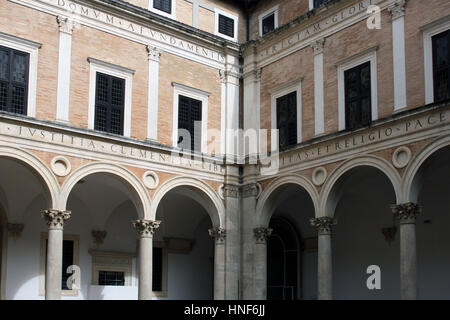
55, 220
145, 229
406, 214
324, 227
219, 235
154, 54
260, 264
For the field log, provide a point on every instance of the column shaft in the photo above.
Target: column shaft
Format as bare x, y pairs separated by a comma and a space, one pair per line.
145, 268
325, 270
53, 270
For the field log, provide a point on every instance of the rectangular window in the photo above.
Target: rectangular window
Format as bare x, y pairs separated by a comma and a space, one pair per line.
157, 269
287, 120
109, 103
226, 26
111, 278
163, 5
441, 66
13, 80
318, 3
268, 24
189, 123
358, 97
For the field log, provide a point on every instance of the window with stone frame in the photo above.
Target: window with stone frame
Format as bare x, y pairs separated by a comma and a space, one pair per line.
109, 103
14, 69
189, 123
358, 97
441, 66
287, 120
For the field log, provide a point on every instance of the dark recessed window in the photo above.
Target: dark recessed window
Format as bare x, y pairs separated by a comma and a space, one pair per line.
111, 278
109, 103
287, 120
441, 66
13, 80
268, 24
226, 26
318, 3
358, 97
163, 5
157, 269
189, 123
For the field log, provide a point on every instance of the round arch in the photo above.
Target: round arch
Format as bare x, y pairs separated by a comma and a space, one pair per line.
42, 172
263, 216
411, 181
141, 201
215, 209
327, 203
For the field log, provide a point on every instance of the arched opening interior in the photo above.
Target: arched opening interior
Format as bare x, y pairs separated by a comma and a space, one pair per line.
100, 238
23, 194
433, 256
365, 234
292, 246
183, 235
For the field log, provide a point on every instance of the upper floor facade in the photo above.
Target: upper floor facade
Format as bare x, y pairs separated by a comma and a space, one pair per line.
157, 72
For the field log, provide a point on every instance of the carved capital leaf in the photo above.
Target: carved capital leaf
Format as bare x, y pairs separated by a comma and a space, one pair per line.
406, 212
218, 234
55, 218
261, 234
146, 228
324, 225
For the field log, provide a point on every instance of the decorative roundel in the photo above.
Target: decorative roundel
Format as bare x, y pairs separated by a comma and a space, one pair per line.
319, 176
401, 157
60, 166
150, 179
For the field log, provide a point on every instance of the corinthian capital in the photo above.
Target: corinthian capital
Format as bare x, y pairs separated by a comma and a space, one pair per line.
65, 24
406, 212
318, 46
146, 228
261, 234
218, 234
323, 224
55, 218
153, 53
397, 9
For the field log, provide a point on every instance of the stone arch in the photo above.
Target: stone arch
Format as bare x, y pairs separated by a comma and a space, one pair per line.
412, 178
263, 216
328, 201
214, 206
140, 196
39, 169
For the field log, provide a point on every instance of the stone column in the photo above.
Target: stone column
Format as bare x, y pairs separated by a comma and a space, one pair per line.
397, 9
66, 26
319, 116
219, 236
153, 87
145, 228
53, 269
324, 270
406, 213
261, 235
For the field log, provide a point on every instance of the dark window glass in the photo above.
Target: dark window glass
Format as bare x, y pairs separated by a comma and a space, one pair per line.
441, 66
189, 121
268, 24
358, 98
287, 120
109, 103
282, 261
157, 269
318, 3
226, 26
111, 278
14, 67
163, 5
